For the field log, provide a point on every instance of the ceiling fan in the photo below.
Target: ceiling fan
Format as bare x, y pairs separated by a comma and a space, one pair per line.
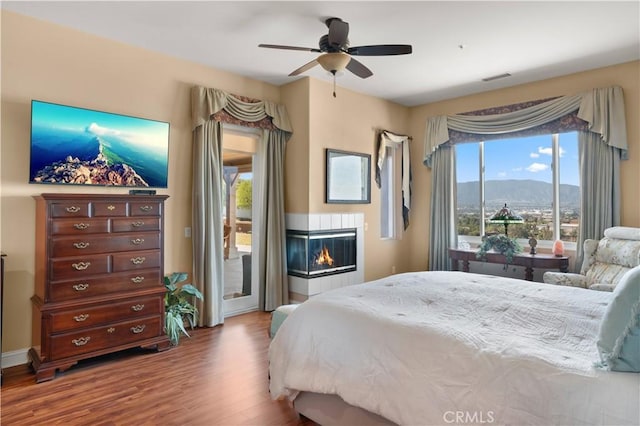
336, 54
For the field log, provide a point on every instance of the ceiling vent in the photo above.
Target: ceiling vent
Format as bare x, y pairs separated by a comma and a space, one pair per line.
497, 77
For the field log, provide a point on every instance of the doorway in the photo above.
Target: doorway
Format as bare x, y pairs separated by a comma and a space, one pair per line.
240, 236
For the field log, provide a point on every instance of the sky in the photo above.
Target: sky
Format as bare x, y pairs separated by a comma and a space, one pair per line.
153, 134
520, 158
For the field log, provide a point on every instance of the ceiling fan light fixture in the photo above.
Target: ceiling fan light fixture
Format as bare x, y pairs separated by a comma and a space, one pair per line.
334, 61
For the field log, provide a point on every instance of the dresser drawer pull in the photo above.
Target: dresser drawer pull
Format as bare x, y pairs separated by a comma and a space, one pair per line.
80, 287
137, 241
81, 226
138, 307
81, 341
111, 330
137, 280
73, 209
138, 260
146, 208
81, 317
138, 329
81, 266
111, 207
137, 224
81, 245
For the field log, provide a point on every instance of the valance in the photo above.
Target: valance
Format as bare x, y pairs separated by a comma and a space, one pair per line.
602, 108
402, 141
205, 102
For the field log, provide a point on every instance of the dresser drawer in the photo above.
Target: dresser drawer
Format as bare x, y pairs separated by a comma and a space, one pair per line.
91, 244
135, 224
106, 284
107, 313
79, 226
78, 267
136, 260
109, 208
70, 209
145, 208
105, 336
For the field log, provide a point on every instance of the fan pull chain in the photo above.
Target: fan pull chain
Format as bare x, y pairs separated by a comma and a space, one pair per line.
334, 83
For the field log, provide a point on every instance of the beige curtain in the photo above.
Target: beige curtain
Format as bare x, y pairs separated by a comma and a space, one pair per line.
207, 199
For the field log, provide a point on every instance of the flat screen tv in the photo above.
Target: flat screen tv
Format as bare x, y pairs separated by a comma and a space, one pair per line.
77, 146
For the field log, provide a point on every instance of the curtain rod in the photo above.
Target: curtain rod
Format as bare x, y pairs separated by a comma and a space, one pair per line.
394, 133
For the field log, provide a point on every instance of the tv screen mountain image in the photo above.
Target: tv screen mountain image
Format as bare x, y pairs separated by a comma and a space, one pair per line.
71, 145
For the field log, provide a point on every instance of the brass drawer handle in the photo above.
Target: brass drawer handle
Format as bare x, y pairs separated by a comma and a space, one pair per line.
138, 307
137, 280
80, 287
81, 341
138, 260
111, 207
137, 224
138, 329
81, 245
111, 330
72, 209
146, 208
81, 226
81, 317
137, 241
81, 266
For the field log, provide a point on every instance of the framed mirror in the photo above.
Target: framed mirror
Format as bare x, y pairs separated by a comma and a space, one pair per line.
348, 177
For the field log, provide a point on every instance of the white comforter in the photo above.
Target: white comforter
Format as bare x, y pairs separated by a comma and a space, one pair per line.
451, 347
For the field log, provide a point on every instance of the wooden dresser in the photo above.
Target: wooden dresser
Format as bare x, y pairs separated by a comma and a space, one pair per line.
99, 278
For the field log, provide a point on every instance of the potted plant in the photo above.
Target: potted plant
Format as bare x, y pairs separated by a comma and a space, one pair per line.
178, 306
500, 243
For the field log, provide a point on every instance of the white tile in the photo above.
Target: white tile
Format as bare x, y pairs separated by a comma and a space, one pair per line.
325, 222
359, 220
336, 221
298, 285
314, 222
296, 221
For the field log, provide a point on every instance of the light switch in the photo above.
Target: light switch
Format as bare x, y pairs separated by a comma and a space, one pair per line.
187, 232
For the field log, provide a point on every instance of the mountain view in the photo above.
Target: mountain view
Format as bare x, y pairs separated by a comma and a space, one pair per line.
518, 194
531, 199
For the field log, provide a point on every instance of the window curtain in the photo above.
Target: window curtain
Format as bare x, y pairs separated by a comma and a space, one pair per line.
601, 108
443, 209
386, 137
209, 107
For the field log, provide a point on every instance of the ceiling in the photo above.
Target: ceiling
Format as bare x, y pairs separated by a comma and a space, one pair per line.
455, 44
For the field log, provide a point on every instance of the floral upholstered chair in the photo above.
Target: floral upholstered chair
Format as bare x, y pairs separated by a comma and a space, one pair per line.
605, 261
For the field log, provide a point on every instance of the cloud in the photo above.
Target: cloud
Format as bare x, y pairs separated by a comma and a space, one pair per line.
537, 167
502, 174
547, 151
517, 169
544, 151
534, 155
96, 129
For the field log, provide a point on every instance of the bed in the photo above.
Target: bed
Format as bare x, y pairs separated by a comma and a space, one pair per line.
451, 348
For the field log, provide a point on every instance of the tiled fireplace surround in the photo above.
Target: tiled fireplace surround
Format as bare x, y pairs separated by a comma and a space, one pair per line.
300, 289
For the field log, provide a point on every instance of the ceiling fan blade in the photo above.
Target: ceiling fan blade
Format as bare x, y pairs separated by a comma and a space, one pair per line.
338, 32
380, 50
277, 46
359, 69
304, 68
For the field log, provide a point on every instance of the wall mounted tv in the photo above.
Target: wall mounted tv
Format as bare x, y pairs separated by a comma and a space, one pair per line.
78, 146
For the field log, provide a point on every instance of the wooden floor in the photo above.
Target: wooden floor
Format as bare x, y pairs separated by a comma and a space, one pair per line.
218, 377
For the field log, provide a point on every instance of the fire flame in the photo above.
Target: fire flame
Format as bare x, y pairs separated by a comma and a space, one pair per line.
324, 258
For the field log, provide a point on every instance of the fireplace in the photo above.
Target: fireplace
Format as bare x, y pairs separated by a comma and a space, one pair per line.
312, 254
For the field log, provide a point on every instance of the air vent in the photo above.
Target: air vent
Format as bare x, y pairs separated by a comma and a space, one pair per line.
496, 77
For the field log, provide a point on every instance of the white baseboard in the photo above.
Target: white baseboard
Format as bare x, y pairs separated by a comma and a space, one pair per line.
13, 358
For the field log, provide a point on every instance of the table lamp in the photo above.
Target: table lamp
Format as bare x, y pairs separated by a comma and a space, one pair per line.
505, 216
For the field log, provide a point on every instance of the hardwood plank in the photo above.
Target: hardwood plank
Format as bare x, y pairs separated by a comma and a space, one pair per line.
217, 377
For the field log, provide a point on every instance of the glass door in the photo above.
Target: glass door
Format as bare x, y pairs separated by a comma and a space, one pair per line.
240, 236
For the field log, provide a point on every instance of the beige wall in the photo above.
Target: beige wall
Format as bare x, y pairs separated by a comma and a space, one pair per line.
51, 63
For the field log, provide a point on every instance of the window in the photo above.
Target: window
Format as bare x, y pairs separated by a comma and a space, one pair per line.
390, 193
537, 177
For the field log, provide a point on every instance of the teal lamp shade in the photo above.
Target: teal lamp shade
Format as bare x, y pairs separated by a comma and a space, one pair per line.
505, 216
